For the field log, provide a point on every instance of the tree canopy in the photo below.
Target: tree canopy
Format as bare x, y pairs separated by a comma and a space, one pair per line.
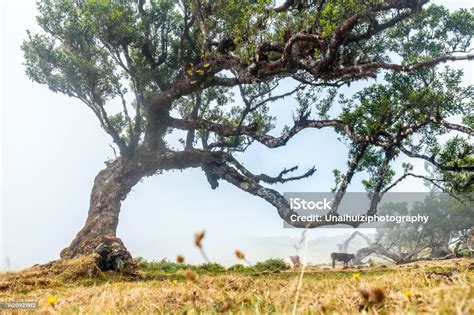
214, 68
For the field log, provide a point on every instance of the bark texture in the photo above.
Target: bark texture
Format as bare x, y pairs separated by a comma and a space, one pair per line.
111, 187
98, 235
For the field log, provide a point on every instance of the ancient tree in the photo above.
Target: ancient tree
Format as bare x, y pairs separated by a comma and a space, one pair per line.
213, 69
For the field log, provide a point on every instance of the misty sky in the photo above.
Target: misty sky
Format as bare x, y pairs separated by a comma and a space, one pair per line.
52, 148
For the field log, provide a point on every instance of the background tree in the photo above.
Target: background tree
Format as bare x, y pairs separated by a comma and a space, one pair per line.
147, 68
448, 206
445, 235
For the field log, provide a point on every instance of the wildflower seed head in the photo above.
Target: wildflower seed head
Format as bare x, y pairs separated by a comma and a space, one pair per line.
190, 275
377, 295
198, 237
239, 254
180, 259
374, 295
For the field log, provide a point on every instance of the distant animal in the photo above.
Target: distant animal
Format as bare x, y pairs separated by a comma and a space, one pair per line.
344, 257
295, 260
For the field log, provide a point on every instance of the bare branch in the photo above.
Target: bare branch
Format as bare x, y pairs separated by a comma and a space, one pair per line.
380, 180
434, 181
249, 184
359, 153
432, 160
269, 179
368, 69
194, 115
460, 128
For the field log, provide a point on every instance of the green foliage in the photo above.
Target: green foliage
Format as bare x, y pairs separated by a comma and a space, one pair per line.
272, 264
162, 266
408, 99
167, 267
447, 217
338, 178
407, 167
107, 52
210, 267
457, 152
468, 120
239, 268
371, 162
99, 50
337, 11
433, 32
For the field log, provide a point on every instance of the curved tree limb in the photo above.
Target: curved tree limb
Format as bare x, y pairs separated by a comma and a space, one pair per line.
432, 160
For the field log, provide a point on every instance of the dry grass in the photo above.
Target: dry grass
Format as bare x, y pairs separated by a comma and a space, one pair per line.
52, 274
445, 287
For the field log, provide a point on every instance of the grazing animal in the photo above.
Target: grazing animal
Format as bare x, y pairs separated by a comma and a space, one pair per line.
345, 258
295, 260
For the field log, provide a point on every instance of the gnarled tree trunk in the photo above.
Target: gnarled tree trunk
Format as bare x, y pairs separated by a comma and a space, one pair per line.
98, 235
380, 250
111, 187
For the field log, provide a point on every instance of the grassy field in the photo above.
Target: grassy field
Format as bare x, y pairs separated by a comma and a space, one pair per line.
444, 287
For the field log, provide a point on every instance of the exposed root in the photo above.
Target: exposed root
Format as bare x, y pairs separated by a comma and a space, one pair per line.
112, 255
57, 273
